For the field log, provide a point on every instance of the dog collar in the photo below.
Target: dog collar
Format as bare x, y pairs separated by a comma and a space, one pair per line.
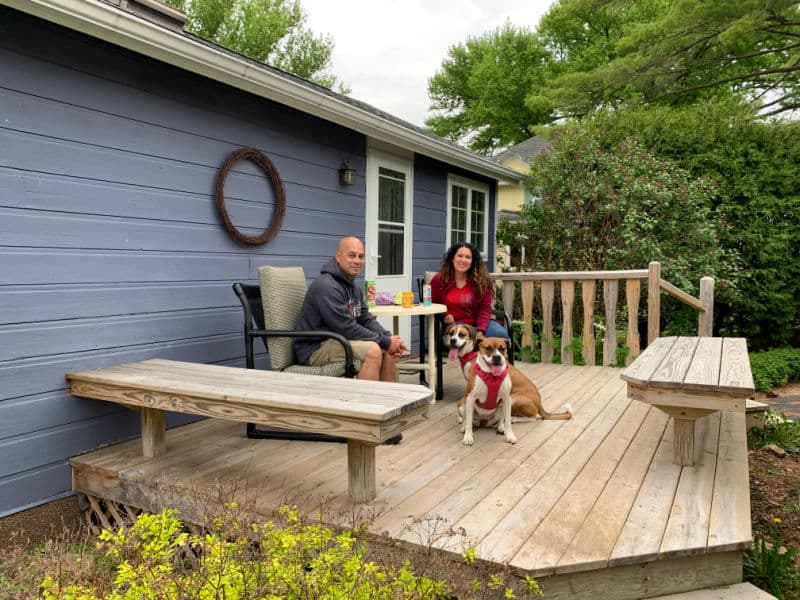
467, 358
492, 386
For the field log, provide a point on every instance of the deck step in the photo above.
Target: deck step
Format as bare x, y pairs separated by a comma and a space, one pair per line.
739, 591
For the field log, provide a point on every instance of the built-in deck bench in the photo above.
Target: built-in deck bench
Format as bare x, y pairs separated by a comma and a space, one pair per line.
688, 378
365, 413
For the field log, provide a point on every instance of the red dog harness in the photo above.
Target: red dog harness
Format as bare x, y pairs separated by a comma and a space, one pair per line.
492, 386
467, 357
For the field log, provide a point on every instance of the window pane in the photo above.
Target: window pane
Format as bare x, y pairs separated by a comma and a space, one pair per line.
478, 218
390, 249
458, 214
391, 195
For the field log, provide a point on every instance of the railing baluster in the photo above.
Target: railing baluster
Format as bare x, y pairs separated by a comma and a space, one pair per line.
527, 313
610, 292
632, 287
587, 295
508, 299
633, 291
567, 300
653, 301
548, 295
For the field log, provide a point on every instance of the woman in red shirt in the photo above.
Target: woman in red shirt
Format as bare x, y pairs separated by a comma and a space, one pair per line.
464, 286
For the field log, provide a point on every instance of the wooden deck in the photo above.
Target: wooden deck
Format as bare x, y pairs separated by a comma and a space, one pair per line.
592, 506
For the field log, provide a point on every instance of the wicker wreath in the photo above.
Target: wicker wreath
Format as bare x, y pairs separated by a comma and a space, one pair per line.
262, 161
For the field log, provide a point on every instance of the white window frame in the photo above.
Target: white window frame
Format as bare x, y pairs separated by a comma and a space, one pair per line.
471, 186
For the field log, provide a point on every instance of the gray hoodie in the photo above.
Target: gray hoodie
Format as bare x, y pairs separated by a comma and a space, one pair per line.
334, 303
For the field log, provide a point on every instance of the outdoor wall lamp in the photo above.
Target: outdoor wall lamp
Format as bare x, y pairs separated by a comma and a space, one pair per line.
347, 174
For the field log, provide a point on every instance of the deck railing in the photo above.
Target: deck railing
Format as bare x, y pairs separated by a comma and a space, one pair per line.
588, 284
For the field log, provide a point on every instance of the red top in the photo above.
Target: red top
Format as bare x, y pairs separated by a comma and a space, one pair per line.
462, 303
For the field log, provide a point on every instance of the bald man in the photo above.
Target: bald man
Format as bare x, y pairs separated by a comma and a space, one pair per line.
335, 303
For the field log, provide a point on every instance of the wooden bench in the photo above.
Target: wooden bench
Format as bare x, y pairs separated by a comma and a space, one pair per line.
367, 413
688, 378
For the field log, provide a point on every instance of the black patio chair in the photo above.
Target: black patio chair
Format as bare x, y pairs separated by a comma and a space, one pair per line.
284, 289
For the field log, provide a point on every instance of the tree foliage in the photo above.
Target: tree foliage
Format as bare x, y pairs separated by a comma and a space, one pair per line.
674, 53
270, 31
480, 91
617, 206
757, 198
587, 55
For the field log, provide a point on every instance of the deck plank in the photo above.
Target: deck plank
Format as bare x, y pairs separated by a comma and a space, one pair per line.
543, 491
503, 490
730, 521
545, 546
687, 528
591, 547
675, 364
467, 481
643, 531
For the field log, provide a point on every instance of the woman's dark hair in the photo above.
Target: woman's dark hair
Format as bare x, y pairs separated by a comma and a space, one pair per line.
477, 274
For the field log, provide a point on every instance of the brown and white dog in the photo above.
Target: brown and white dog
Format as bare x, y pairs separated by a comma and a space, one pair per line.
488, 398
526, 400
460, 339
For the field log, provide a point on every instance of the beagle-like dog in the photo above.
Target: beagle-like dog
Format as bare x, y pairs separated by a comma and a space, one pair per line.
525, 397
488, 399
460, 339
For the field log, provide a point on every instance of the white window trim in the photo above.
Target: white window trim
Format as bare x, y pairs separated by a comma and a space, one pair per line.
470, 185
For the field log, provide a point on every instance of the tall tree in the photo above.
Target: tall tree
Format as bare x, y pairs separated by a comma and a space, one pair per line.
479, 92
269, 31
674, 53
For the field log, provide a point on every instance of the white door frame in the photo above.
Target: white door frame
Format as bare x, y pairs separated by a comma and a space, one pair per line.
394, 283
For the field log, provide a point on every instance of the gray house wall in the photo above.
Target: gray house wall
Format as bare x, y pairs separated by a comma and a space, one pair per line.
430, 212
110, 246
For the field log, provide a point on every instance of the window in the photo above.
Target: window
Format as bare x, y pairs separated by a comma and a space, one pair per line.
391, 221
468, 206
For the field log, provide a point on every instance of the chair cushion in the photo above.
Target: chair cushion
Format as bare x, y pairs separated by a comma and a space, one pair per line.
331, 370
283, 290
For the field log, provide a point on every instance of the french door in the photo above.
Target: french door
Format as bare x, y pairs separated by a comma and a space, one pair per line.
389, 225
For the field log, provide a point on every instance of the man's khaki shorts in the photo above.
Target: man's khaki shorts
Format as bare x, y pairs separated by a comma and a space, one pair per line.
332, 351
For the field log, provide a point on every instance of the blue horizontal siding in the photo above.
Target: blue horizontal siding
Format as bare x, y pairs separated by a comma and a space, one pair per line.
23, 379
111, 248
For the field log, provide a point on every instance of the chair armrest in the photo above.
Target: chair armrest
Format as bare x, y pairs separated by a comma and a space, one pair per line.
349, 367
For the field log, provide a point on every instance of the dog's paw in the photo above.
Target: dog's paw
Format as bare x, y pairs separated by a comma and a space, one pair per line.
511, 438
468, 441
460, 419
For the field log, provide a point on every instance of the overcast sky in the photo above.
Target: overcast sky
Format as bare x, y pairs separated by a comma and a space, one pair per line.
387, 49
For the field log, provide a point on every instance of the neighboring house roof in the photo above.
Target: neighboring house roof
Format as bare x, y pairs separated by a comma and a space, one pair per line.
525, 151
508, 215
108, 22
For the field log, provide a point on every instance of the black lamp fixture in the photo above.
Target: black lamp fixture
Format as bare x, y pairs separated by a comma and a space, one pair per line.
347, 174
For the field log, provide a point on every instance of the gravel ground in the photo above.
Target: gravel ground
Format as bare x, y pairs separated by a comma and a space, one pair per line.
30, 527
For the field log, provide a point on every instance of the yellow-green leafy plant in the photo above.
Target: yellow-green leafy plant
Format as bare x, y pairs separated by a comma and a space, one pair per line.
156, 558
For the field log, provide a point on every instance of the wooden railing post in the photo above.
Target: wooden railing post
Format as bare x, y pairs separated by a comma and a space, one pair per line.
587, 294
705, 318
653, 301
610, 293
527, 313
548, 296
632, 287
567, 300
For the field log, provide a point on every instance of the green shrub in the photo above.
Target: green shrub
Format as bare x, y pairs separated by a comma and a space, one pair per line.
158, 558
776, 430
771, 568
775, 367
